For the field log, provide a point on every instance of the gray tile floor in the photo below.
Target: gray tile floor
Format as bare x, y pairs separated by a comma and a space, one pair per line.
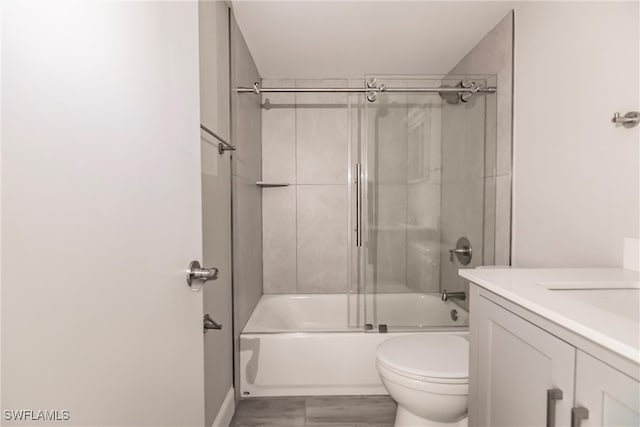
335, 411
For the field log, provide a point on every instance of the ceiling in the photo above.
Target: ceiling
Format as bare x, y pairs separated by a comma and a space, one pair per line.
324, 39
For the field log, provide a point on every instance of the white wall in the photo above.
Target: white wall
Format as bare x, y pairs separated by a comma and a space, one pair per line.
576, 174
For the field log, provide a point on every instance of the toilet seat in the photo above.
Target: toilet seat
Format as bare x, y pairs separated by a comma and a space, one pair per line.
434, 358
409, 376
442, 388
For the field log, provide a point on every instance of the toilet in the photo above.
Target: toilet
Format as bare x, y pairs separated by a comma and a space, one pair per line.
427, 374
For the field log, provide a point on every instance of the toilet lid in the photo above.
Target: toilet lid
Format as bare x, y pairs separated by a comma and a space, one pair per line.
427, 355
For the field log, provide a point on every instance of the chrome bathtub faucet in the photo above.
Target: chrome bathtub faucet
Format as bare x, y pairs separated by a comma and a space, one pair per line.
446, 296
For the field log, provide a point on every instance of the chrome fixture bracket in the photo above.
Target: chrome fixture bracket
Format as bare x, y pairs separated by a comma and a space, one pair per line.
372, 95
468, 84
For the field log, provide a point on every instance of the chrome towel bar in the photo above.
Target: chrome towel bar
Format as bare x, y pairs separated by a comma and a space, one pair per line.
224, 145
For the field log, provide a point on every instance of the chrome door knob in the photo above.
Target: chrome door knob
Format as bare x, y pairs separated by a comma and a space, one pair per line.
196, 275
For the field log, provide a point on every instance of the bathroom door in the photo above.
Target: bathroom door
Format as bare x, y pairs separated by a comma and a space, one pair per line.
101, 213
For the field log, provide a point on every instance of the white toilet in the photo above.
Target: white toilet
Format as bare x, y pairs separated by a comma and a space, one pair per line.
427, 374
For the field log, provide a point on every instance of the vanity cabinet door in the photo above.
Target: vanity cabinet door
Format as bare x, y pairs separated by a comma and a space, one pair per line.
517, 363
610, 397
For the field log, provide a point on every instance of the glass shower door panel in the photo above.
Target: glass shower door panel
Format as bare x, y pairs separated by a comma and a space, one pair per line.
403, 170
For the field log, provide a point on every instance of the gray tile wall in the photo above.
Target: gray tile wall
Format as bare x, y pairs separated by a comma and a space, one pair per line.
306, 144
246, 168
467, 183
322, 212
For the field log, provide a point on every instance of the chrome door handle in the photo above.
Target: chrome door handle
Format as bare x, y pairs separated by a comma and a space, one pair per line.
553, 395
578, 414
199, 275
629, 120
358, 205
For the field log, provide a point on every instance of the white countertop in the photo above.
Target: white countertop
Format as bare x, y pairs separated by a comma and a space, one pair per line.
607, 317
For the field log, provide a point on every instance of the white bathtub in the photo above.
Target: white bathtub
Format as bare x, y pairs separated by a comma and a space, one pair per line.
302, 345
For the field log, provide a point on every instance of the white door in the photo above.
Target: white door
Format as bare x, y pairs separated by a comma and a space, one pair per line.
101, 212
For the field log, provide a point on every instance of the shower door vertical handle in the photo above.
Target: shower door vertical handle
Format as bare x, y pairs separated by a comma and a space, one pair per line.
358, 205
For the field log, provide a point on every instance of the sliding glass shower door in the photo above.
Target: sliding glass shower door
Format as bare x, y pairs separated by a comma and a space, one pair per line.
422, 160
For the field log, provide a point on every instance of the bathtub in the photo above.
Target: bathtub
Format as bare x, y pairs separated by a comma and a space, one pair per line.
305, 345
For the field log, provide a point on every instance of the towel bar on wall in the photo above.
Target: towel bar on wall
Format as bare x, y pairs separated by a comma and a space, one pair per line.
223, 145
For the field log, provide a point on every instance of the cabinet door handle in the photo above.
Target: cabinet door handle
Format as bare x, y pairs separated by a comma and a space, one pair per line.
553, 395
578, 414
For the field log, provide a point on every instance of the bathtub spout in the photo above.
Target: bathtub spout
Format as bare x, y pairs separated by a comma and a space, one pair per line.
446, 296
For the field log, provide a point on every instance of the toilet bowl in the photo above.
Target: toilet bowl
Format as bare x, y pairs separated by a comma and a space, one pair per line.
428, 376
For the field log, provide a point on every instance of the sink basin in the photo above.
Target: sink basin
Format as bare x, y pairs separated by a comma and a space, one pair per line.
585, 285
622, 302
621, 298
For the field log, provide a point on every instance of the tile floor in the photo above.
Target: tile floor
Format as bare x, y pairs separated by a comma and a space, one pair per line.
335, 411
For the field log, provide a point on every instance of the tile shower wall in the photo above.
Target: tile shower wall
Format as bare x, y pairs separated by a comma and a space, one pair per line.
488, 184
305, 143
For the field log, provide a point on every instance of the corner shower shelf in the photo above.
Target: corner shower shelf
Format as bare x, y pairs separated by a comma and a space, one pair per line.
271, 184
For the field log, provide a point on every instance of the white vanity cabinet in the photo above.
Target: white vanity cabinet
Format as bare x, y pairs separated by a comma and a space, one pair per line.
520, 367
611, 397
523, 374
